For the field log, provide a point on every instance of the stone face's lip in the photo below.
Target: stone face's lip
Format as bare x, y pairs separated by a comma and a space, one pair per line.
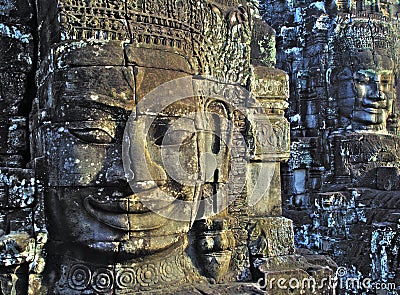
124, 205
373, 109
138, 219
374, 104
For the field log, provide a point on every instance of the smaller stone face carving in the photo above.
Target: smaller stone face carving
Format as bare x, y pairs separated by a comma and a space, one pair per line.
363, 77
365, 96
215, 243
374, 98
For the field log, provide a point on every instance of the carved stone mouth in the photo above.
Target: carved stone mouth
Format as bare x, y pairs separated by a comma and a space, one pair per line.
374, 103
373, 110
125, 215
119, 205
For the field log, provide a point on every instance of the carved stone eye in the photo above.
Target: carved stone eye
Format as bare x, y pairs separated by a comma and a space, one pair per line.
174, 138
92, 135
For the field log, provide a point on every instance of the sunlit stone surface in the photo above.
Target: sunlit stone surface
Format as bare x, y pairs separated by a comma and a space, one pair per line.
108, 186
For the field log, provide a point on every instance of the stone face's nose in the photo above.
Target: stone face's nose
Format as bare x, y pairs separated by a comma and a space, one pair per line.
115, 174
142, 172
374, 90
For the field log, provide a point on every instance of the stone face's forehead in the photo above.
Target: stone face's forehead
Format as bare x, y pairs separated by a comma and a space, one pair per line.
385, 62
113, 86
123, 88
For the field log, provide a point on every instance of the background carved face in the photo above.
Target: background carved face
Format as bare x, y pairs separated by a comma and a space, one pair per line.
365, 95
374, 91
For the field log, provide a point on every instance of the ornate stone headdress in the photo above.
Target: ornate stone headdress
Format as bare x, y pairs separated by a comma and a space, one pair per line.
365, 40
363, 32
165, 23
204, 32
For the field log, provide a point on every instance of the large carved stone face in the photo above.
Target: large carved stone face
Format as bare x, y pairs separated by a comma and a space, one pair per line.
365, 94
89, 201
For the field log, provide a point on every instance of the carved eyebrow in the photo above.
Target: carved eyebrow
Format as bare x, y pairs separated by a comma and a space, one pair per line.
386, 72
176, 137
94, 112
386, 76
92, 135
105, 126
111, 110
